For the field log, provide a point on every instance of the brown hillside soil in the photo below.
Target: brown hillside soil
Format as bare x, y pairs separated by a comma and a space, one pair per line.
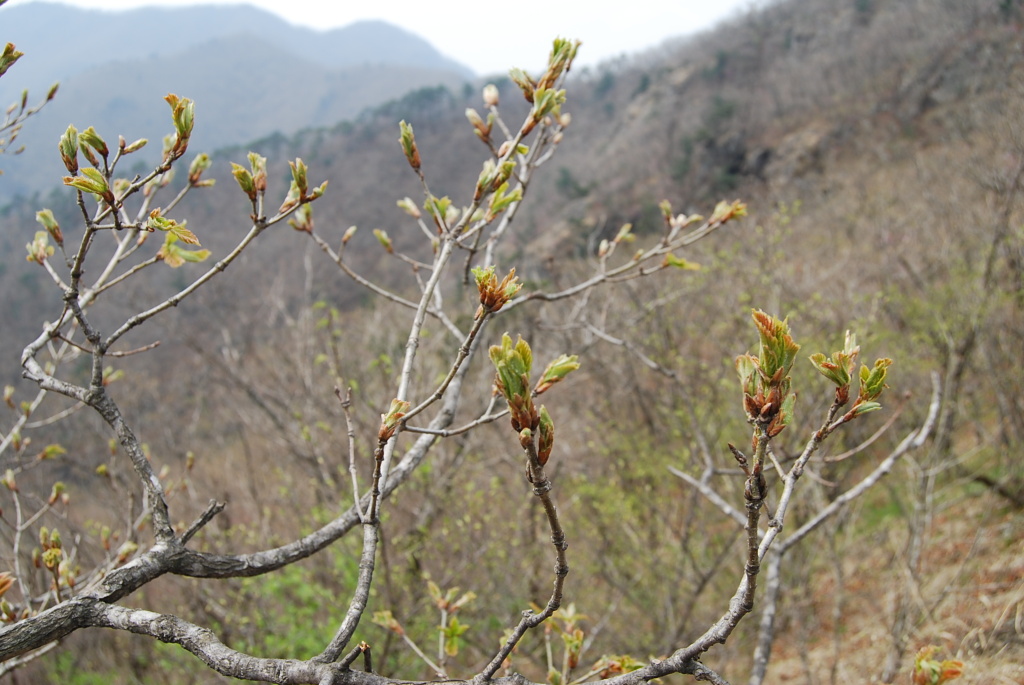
971, 591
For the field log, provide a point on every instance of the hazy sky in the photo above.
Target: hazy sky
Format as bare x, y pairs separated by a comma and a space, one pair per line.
469, 30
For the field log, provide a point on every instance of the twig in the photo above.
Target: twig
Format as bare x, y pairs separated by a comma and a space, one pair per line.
212, 509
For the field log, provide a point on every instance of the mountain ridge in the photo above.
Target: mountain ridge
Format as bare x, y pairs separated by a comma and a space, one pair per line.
252, 73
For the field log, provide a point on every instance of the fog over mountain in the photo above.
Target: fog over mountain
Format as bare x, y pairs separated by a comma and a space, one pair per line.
251, 74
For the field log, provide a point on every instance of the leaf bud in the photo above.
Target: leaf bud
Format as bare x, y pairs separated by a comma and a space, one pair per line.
384, 240
547, 436
68, 146
408, 141
46, 218
491, 95
90, 138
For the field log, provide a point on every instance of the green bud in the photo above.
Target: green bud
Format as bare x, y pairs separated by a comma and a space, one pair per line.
195, 170
68, 146
299, 176
408, 141
384, 240
8, 57
547, 436
135, 146
46, 218
92, 139
245, 180
409, 207
525, 83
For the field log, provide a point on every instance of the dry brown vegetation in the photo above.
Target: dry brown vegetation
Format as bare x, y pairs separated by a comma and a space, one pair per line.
878, 145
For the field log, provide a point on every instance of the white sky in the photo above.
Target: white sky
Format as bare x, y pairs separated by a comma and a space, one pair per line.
469, 30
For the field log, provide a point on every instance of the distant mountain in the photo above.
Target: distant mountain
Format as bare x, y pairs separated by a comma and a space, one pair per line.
250, 73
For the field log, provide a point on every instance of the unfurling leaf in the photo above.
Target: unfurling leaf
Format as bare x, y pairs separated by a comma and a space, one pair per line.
495, 295
91, 181
51, 451
930, 671
680, 263
725, 211
183, 115
156, 222
556, 371
390, 420
872, 381
174, 255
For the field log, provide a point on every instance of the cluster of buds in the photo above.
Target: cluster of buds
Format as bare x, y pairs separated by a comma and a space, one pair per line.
494, 294
480, 128
839, 369
50, 555
546, 100
513, 363
299, 193
765, 377
625, 235
252, 181
492, 177
726, 211
40, 248
930, 671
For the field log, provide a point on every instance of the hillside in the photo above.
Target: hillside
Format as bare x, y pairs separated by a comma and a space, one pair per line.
877, 145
